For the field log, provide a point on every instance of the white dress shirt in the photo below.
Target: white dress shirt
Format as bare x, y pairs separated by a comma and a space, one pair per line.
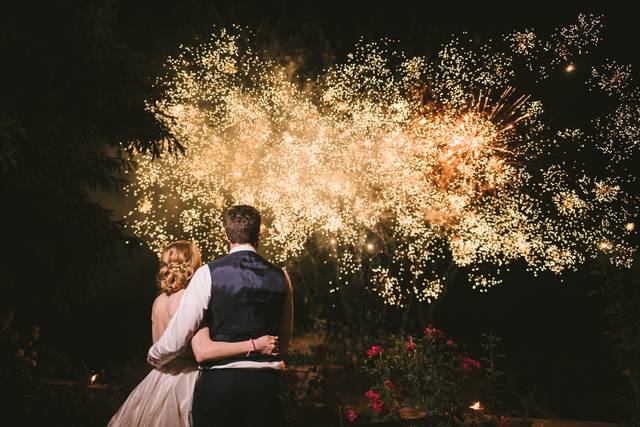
188, 318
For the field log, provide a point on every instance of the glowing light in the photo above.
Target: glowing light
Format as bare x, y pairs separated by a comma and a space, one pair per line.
605, 246
630, 226
570, 68
476, 406
93, 379
523, 42
435, 157
145, 206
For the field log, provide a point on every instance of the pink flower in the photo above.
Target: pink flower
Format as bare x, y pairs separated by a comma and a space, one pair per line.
411, 345
374, 351
450, 343
430, 331
352, 415
378, 406
468, 364
372, 395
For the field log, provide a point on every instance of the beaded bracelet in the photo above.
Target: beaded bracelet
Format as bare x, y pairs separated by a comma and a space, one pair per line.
253, 349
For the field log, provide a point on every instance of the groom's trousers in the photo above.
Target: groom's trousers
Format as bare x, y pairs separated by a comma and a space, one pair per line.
236, 398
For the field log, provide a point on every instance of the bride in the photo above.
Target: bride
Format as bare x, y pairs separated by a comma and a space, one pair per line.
163, 398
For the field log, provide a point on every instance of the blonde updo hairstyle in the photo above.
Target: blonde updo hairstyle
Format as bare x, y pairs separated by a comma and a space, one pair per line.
178, 262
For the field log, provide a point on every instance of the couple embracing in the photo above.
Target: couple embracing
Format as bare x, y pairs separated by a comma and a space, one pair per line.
218, 330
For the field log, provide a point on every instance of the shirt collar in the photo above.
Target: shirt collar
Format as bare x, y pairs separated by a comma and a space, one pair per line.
244, 247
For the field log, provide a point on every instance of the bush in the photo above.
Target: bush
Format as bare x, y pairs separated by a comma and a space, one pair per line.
430, 373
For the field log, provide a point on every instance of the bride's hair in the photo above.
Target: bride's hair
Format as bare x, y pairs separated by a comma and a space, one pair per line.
178, 263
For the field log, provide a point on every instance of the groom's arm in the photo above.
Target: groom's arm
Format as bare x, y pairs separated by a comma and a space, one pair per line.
286, 325
186, 321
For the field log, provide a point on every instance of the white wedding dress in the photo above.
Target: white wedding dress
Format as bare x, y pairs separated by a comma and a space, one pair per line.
163, 398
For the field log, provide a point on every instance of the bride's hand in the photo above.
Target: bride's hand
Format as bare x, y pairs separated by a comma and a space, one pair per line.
267, 345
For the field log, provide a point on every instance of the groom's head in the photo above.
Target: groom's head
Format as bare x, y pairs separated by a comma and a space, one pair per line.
242, 224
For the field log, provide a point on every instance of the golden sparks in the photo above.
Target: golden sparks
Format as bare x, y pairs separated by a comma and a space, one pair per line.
522, 43
611, 77
404, 164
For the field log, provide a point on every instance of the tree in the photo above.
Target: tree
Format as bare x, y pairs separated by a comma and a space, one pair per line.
71, 115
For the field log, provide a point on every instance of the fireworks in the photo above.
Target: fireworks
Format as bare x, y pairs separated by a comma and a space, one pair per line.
402, 164
611, 78
522, 42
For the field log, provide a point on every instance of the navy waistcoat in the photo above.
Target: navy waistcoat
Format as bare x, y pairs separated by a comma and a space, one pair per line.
247, 298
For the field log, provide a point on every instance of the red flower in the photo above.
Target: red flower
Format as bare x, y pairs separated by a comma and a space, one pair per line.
374, 351
468, 364
430, 331
450, 343
411, 345
372, 395
378, 406
352, 415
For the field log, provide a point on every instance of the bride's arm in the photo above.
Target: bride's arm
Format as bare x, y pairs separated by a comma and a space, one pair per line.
206, 349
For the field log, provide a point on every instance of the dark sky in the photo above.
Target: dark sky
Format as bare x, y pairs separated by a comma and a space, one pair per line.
424, 24
419, 25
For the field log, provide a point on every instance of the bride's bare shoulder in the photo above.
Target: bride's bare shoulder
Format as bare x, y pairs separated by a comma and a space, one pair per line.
166, 305
160, 299
173, 301
160, 303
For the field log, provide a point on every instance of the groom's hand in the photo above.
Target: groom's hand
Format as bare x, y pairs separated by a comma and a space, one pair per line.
268, 345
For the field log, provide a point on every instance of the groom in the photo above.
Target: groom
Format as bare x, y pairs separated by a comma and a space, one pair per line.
245, 297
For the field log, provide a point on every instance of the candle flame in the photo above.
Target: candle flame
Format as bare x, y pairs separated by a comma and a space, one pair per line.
476, 406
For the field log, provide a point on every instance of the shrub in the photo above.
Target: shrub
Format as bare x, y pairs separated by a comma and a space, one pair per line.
429, 373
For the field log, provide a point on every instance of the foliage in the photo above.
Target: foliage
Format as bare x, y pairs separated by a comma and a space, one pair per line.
308, 396
318, 354
431, 373
34, 400
10, 135
621, 291
493, 375
73, 94
34, 403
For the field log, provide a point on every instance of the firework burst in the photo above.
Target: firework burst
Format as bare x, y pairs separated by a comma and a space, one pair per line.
404, 164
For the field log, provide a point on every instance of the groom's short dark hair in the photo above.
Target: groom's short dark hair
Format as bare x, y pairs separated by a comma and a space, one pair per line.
242, 224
